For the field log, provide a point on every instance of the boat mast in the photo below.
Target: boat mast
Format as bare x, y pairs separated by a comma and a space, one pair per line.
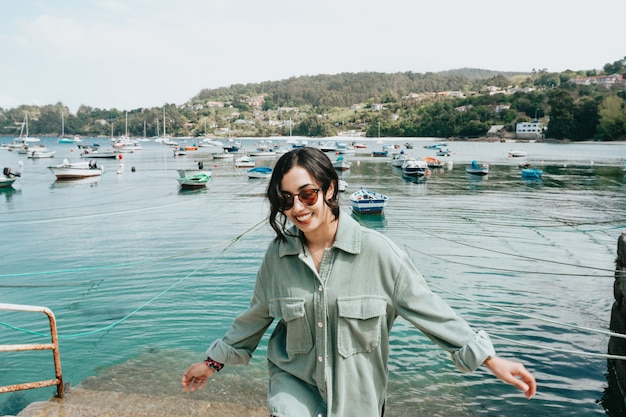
164, 122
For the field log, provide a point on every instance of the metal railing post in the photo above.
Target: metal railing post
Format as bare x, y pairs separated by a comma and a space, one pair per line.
53, 346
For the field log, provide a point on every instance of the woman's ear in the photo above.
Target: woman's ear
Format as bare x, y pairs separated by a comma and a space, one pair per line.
330, 191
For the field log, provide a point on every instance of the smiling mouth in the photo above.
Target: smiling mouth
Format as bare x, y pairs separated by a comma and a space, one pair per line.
304, 218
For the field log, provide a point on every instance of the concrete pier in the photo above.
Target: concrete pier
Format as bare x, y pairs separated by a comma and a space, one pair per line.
617, 346
95, 403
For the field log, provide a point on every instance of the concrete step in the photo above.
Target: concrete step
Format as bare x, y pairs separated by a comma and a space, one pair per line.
95, 403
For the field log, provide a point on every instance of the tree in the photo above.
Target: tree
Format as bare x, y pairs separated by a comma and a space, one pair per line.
586, 116
612, 125
561, 116
616, 67
316, 126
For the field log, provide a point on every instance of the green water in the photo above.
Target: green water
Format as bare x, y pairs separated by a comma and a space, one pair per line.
143, 276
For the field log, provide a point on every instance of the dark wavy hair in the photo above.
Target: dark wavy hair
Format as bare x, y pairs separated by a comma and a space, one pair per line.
319, 166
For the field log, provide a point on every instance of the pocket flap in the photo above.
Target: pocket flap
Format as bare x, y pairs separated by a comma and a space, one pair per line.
362, 308
287, 309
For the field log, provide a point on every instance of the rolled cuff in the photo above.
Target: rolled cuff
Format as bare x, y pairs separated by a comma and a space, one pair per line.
223, 353
473, 354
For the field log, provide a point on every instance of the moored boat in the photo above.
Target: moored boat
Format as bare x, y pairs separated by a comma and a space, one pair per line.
531, 173
414, 166
8, 177
477, 169
443, 152
517, 153
260, 172
97, 153
194, 181
41, 153
433, 162
244, 162
341, 163
398, 159
368, 202
75, 170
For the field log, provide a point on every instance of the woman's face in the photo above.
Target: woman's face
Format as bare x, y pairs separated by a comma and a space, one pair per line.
309, 219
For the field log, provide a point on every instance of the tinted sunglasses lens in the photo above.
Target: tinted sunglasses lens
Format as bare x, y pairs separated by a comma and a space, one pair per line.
308, 197
286, 201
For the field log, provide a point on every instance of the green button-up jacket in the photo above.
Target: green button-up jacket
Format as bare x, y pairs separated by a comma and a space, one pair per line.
328, 353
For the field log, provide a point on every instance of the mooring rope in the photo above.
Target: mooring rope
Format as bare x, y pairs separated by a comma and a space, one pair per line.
229, 244
506, 253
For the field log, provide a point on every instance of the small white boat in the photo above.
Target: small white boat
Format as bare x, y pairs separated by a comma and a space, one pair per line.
477, 169
368, 202
96, 153
398, 159
263, 151
8, 177
414, 166
341, 163
327, 146
223, 155
260, 172
27, 149
342, 186
443, 152
517, 153
344, 148
74, 170
244, 162
194, 181
41, 153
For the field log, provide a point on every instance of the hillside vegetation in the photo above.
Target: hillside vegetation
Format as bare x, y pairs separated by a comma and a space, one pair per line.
458, 103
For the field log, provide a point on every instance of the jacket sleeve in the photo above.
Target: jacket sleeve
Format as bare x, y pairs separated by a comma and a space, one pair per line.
415, 302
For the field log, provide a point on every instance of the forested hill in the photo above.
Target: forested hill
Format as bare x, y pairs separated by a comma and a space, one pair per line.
346, 89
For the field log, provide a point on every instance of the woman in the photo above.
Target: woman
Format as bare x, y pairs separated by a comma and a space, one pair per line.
336, 288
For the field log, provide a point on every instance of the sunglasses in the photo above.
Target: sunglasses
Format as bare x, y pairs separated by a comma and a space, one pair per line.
307, 197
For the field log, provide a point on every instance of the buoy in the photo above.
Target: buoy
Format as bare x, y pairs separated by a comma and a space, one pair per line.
132, 169
120, 156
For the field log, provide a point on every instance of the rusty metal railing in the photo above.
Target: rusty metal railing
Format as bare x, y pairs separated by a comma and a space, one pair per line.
53, 346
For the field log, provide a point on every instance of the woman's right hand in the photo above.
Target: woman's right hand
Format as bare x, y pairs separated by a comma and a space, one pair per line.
196, 376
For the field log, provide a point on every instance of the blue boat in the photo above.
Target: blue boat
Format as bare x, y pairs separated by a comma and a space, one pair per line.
531, 173
260, 172
477, 169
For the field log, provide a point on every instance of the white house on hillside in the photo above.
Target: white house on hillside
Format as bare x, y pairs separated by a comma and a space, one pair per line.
529, 130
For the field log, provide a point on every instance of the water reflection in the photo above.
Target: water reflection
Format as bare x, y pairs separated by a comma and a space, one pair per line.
8, 192
414, 179
89, 181
373, 221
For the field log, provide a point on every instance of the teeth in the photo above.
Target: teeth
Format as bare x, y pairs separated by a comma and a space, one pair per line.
304, 218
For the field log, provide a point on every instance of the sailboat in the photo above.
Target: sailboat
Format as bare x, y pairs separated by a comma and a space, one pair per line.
24, 138
63, 138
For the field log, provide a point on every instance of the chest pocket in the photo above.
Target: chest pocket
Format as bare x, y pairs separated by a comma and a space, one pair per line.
360, 321
292, 313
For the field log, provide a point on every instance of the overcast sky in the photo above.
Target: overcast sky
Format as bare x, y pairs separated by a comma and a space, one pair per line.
129, 54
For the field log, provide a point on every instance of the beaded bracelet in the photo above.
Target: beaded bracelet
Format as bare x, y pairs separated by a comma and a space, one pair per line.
213, 364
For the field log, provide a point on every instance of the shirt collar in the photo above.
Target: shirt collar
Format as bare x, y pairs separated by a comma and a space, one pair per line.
348, 237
